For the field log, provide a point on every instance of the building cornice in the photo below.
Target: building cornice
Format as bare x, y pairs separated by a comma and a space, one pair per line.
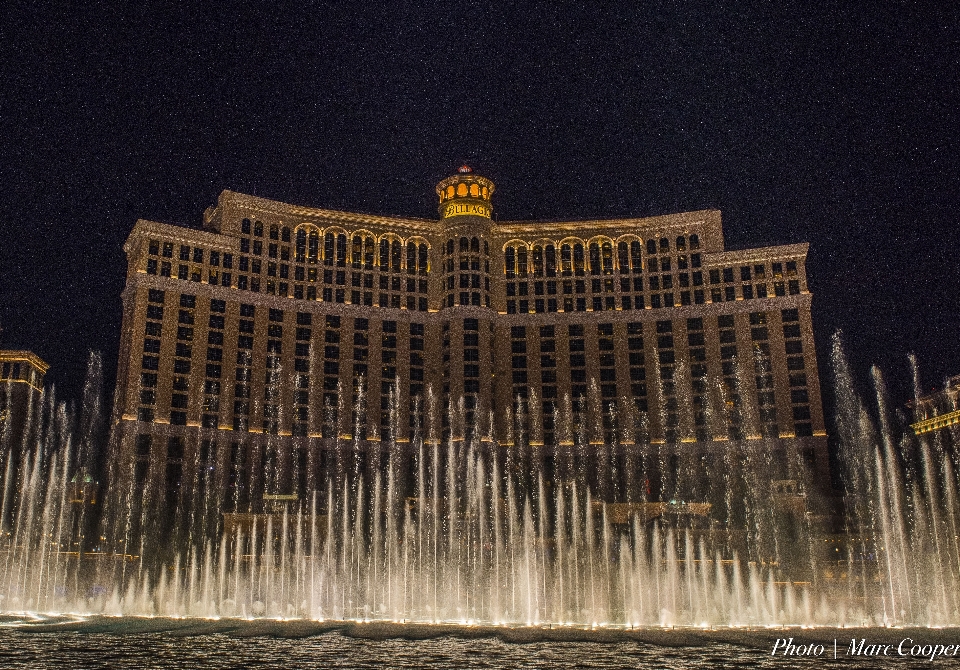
784, 251
706, 217
182, 233
22, 355
255, 204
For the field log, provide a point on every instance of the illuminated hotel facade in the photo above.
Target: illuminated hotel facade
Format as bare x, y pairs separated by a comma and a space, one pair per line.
278, 333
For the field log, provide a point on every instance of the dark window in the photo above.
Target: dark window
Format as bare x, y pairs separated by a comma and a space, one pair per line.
791, 330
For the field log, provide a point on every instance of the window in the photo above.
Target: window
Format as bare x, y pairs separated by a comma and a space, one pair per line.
791, 330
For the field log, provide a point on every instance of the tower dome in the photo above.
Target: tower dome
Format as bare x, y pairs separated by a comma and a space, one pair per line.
465, 194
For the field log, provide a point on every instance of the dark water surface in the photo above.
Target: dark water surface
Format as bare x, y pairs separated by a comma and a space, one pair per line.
105, 642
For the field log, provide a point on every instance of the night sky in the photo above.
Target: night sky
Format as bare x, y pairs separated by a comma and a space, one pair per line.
832, 123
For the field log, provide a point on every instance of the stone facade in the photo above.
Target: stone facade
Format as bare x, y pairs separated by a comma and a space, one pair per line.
277, 333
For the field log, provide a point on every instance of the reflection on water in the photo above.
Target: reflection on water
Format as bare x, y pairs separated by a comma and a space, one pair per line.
130, 642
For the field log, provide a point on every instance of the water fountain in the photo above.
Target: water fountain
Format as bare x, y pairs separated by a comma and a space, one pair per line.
437, 533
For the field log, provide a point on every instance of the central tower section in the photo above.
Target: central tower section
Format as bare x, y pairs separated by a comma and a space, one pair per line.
468, 318
465, 211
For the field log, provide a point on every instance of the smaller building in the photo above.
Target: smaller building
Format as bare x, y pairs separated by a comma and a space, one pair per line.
21, 391
940, 409
21, 397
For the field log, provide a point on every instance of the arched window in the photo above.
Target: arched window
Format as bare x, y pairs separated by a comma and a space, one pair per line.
578, 259
606, 255
486, 248
422, 262
285, 234
328, 244
522, 261
411, 258
314, 249
694, 242
274, 232
566, 260
396, 255
651, 247
357, 255
664, 245
537, 261
368, 253
341, 250
258, 229
300, 249
623, 257
450, 244
681, 243
594, 258
475, 245
551, 258
384, 255
635, 253
510, 262
464, 245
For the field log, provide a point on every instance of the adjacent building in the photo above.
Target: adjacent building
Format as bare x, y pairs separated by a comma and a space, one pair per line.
938, 410
275, 334
21, 392
21, 396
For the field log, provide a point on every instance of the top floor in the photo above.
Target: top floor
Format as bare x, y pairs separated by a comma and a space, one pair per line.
256, 244
22, 367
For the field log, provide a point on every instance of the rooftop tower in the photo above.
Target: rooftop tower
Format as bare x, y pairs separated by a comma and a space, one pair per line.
465, 194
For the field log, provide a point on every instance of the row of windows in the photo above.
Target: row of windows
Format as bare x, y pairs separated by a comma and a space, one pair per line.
749, 273
462, 190
471, 245
668, 298
541, 259
389, 255
20, 372
190, 254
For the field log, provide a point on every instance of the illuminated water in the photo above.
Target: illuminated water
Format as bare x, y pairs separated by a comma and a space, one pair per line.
478, 536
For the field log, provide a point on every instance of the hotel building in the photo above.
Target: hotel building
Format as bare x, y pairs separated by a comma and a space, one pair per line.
273, 335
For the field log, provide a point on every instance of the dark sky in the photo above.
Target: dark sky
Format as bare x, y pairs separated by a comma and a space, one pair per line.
833, 123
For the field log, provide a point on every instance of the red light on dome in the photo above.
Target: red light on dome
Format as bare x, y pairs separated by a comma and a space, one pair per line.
464, 169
